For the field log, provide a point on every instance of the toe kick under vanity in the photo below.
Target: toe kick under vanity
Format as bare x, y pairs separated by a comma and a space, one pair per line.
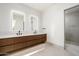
10, 44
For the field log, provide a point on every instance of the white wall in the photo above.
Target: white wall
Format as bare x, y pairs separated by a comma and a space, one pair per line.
5, 21
53, 20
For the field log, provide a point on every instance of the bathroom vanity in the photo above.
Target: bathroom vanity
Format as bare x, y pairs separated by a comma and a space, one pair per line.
11, 44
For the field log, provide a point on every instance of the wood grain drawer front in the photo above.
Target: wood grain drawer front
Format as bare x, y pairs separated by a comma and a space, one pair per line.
15, 43
7, 41
13, 47
28, 38
20, 45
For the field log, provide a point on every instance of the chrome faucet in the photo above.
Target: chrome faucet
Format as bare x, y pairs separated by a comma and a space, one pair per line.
35, 31
19, 33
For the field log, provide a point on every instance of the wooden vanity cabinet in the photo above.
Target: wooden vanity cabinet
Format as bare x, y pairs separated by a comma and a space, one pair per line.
16, 43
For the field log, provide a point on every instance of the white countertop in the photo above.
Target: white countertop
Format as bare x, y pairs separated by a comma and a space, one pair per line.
9, 36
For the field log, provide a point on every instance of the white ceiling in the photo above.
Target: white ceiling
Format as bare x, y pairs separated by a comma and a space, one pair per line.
39, 6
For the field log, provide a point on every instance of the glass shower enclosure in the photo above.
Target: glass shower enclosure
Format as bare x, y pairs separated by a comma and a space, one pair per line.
72, 29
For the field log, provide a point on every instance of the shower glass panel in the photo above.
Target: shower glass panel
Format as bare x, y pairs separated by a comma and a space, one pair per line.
72, 25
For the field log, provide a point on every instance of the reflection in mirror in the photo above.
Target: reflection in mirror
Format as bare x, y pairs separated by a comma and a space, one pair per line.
17, 21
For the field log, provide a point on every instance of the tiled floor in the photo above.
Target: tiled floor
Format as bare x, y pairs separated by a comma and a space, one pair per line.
46, 49
52, 50
73, 49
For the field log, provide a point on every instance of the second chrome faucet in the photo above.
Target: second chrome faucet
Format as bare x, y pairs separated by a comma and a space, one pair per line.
19, 33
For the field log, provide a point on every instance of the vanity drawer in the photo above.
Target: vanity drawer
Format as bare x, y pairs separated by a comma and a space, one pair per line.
18, 46
14, 40
16, 43
13, 47
6, 41
29, 38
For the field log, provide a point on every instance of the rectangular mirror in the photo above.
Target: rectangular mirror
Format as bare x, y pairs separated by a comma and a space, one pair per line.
34, 24
17, 18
